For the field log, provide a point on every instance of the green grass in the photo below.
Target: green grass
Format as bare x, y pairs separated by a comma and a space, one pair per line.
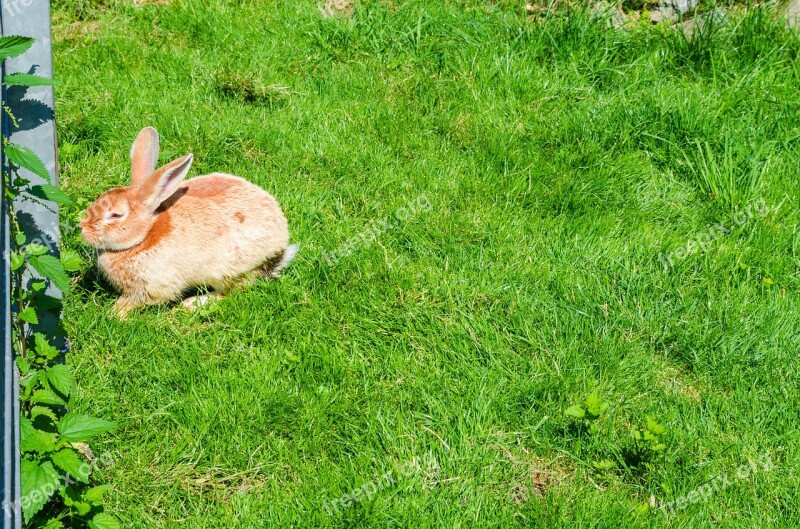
560, 158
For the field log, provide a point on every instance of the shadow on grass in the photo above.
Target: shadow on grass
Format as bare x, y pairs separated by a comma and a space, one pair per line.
93, 281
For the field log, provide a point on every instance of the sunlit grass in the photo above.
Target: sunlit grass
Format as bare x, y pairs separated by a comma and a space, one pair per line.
559, 159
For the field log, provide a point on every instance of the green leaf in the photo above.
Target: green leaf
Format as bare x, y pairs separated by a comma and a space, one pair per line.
29, 382
658, 448
53, 523
69, 495
290, 358
69, 461
43, 347
38, 286
17, 260
576, 410
95, 494
47, 396
38, 411
595, 405
48, 192
60, 377
767, 281
655, 428
19, 238
76, 427
71, 260
26, 79
29, 316
23, 365
82, 507
104, 521
51, 268
605, 464
13, 45
39, 482
32, 439
26, 158
20, 182
35, 248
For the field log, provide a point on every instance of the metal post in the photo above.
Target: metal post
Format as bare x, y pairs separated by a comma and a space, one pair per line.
35, 129
10, 518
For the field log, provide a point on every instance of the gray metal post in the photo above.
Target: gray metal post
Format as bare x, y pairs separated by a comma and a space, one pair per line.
9, 516
35, 125
35, 129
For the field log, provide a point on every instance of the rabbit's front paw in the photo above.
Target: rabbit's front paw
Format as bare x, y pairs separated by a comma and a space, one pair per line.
193, 303
122, 307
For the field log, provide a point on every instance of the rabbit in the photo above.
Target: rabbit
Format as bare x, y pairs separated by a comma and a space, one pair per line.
162, 236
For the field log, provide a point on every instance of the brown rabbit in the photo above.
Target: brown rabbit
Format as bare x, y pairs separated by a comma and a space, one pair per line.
162, 236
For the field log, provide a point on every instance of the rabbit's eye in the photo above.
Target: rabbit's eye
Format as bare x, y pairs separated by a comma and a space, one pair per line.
115, 215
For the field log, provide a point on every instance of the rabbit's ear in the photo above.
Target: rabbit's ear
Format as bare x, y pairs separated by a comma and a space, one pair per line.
144, 156
163, 183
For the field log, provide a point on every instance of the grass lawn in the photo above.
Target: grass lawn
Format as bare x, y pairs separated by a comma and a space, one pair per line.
552, 211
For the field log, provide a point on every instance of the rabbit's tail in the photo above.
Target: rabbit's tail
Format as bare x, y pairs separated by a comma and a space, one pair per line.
281, 261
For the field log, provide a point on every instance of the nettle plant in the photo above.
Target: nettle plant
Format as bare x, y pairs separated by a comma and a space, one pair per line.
56, 464
636, 457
